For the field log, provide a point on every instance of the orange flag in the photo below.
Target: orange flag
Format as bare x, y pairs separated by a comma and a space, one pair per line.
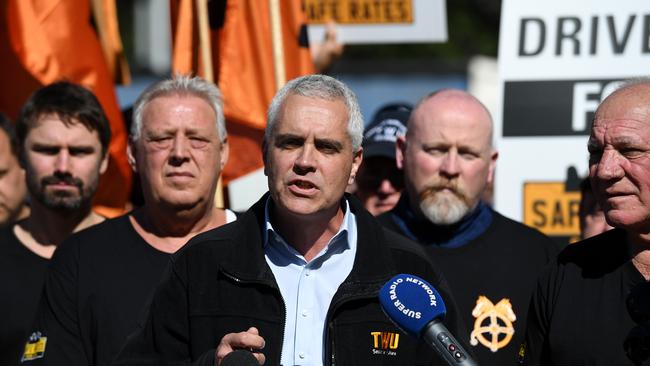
243, 64
42, 41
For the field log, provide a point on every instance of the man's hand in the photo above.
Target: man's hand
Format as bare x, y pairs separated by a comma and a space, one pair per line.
248, 340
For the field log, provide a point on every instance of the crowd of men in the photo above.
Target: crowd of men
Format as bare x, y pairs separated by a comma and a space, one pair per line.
294, 280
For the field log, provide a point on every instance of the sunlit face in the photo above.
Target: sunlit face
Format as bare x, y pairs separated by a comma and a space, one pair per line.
309, 159
13, 189
379, 184
63, 163
447, 157
179, 154
619, 163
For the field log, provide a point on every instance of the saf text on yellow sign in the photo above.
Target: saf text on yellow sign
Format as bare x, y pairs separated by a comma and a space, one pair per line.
359, 11
552, 210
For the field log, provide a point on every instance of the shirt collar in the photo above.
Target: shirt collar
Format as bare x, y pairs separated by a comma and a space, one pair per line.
345, 238
421, 230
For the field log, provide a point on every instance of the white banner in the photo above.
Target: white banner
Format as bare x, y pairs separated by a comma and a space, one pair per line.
557, 60
371, 21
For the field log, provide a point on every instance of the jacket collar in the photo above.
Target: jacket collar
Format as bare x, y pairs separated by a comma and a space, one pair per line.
246, 260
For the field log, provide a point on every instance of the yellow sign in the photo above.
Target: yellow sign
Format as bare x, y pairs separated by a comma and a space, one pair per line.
358, 11
552, 210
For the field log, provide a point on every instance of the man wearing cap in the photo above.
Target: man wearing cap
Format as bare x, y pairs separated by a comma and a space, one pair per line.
379, 182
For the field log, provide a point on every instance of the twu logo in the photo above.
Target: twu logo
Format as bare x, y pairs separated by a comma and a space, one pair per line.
385, 340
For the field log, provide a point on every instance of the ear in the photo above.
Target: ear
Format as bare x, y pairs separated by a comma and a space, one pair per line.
264, 156
104, 164
225, 152
494, 155
130, 155
400, 151
356, 163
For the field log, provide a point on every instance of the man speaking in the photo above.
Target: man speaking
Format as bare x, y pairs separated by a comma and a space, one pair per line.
296, 278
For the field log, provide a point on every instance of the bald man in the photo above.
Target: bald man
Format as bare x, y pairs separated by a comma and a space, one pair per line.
491, 262
592, 307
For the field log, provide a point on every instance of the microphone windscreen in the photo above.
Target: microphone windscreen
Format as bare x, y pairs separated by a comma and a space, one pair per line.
411, 303
239, 357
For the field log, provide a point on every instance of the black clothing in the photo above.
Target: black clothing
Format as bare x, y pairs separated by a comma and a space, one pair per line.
98, 284
578, 314
220, 283
499, 266
22, 273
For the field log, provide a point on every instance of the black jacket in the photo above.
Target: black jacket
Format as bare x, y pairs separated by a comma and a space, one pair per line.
220, 283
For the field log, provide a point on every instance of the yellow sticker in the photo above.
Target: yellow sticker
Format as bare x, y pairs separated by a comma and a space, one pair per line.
35, 347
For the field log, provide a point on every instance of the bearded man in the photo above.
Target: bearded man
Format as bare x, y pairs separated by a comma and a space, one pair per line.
63, 136
490, 261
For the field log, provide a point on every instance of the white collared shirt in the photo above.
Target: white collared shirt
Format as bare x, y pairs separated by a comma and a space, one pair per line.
308, 287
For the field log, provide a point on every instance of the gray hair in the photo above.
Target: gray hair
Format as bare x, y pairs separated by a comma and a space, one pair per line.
182, 85
630, 83
322, 87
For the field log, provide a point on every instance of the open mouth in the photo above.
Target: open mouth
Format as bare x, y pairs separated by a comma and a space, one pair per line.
303, 184
302, 187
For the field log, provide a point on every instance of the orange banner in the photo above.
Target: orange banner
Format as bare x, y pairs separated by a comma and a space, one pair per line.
243, 65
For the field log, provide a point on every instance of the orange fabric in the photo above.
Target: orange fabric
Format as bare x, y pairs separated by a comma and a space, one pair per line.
185, 43
243, 64
42, 41
105, 14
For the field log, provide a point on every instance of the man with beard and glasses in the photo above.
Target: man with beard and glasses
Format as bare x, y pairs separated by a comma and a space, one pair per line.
490, 261
63, 136
100, 280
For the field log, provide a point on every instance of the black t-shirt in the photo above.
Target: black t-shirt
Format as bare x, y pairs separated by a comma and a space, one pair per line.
98, 284
491, 278
22, 273
578, 314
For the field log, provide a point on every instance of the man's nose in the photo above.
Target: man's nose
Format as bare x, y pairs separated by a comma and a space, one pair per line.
386, 187
609, 167
180, 150
305, 161
62, 163
450, 164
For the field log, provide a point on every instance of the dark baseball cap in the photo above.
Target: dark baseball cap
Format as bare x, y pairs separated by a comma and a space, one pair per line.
380, 136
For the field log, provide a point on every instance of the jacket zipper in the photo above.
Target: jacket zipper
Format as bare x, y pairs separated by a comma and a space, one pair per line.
330, 325
272, 285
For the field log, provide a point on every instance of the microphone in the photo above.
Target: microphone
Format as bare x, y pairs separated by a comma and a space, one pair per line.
239, 357
417, 308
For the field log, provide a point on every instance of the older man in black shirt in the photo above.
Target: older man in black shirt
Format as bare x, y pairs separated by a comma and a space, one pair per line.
592, 307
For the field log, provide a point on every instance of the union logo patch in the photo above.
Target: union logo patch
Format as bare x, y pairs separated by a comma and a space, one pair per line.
35, 347
385, 343
493, 326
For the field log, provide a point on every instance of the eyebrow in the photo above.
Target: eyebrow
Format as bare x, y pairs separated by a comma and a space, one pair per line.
286, 137
330, 143
280, 138
42, 145
446, 145
626, 140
